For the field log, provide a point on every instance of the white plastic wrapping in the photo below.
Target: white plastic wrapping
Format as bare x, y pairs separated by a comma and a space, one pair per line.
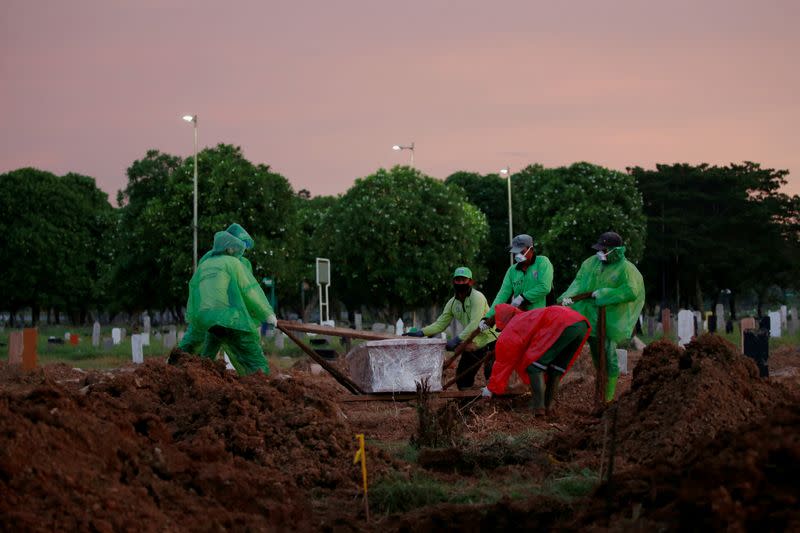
396, 365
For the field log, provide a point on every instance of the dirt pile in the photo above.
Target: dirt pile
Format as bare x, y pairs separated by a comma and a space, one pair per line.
164, 447
680, 399
746, 480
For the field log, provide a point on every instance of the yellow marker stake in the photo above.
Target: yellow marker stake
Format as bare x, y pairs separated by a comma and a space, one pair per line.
362, 455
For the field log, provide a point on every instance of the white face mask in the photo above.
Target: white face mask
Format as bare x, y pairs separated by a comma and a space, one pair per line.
521, 257
603, 256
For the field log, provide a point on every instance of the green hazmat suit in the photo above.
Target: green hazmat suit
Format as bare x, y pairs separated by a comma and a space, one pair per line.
620, 288
469, 314
533, 284
227, 305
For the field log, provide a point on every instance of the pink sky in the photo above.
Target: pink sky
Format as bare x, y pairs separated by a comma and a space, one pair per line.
322, 90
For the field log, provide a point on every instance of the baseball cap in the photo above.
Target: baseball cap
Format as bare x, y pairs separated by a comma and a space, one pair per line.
462, 272
607, 240
520, 242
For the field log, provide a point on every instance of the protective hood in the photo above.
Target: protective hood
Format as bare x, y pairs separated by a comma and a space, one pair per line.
225, 243
503, 313
237, 231
615, 255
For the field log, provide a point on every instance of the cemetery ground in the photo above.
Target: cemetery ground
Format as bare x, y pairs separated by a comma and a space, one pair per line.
696, 441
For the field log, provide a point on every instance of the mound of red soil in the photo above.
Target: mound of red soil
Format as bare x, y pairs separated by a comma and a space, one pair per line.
682, 398
187, 447
746, 480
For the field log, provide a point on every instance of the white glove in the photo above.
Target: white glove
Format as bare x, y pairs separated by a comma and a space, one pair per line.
595, 293
517, 301
483, 326
272, 320
567, 301
486, 393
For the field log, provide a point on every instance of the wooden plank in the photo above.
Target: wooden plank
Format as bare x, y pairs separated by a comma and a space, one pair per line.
343, 380
348, 333
408, 396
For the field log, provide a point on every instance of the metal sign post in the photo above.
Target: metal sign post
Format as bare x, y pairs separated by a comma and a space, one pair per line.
323, 278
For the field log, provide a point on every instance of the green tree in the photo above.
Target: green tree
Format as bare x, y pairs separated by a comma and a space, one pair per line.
566, 208
712, 228
55, 230
399, 234
488, 193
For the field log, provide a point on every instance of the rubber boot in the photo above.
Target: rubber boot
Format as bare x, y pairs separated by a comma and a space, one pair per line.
553, 380
537, 390
611, 387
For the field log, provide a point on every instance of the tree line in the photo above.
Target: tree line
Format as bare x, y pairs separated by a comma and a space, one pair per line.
698, 233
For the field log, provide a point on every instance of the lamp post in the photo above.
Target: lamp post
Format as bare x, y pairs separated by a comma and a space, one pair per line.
507, 173
398, 147
193, 120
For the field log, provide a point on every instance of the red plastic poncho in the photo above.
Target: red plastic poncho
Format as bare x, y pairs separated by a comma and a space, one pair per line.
526, 336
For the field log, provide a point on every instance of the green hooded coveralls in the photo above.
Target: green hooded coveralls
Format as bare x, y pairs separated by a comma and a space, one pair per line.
533, 284
620, 288
226, 305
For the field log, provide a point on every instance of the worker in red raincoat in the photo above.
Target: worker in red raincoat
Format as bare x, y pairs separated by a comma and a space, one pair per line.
544, 341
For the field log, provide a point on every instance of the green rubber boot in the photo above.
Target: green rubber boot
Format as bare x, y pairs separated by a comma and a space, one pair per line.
553, 380
611, 387
537, 388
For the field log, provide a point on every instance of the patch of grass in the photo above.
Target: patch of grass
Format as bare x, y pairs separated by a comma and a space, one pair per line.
399, 449
397, 493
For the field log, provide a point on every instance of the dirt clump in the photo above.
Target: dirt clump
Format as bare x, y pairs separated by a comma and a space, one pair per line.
681, 398
184, 447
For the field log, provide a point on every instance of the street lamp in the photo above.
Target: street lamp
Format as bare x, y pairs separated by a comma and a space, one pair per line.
398, 147
507, 173
193, 120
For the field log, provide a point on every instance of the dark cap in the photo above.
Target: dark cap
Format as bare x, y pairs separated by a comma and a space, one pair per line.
607, 240
520, 242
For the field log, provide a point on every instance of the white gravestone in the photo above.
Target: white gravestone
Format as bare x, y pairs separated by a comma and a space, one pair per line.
66, 336
136, 349
145, 339
622, 359
96, 334
146, 323
116, 335
719, 311
699, 321
784, 316
170, 339
774, 324
123, 333
685, 327
358, 319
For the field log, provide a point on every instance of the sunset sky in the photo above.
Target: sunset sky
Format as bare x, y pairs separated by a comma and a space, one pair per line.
321, 90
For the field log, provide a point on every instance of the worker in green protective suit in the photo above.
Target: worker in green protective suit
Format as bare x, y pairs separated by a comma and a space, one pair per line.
193, 340
526, 283
226, 304
616, 284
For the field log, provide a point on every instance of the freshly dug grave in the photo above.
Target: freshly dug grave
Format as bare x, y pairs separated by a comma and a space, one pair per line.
189, 447
681, 398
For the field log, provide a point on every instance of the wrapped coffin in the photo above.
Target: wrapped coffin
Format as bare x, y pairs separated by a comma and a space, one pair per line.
396, 365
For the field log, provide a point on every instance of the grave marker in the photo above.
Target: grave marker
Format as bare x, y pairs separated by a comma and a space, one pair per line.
746, 324
685, 326
146, 323
622, 358
774, 324
666, 319
29, 338
116, 336
15, 348
651, 326
719, 312
279, 340
96, 334
170, 338
358, 320
698, 324
136, 349
145, 339
755, 344
784, 317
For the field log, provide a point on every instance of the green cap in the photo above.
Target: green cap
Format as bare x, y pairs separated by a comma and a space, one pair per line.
462, 272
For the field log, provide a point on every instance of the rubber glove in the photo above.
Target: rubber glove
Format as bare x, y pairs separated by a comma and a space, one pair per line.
483, 326
415, 333
452, 344
567, 301
595, 293
486, 393
272, 320
517, 301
